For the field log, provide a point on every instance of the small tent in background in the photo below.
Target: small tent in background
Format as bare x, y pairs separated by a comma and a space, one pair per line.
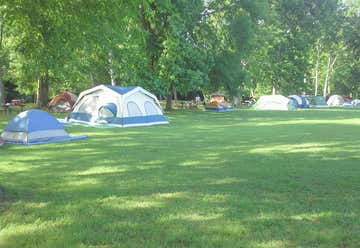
318, 102
1, 141
218, 103
62, 102
35, 126
353, 104
119, 106
274, 102
299, 101
335, 101
356, 103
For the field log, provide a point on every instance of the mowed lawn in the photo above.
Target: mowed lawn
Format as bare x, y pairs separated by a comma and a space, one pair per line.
239, 179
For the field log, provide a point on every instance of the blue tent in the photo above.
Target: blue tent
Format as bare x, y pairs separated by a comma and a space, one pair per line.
35, 127
299, 101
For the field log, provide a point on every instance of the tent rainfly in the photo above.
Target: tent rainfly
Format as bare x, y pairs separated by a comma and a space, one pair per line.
118, 106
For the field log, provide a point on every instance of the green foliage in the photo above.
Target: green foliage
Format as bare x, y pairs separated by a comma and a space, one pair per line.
233, 45
233, 25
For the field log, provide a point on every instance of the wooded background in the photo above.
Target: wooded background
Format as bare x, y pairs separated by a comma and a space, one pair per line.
243, 47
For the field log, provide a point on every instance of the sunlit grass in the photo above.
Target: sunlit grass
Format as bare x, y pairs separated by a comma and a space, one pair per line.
239, 179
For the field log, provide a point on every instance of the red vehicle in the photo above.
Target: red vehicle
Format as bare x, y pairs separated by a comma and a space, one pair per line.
16, 102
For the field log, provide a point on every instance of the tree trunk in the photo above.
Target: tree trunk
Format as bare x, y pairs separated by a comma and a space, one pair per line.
111, 69
169, 97
329, 69
175, 93
317, 68
152, 41
93, 80
236, 101
273, 89
2, 87
42, 91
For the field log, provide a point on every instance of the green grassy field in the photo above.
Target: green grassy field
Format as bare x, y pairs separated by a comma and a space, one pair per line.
240, 179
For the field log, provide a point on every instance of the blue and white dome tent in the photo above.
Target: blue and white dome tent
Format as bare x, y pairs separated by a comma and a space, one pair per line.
119, 106
299, 101
35, 126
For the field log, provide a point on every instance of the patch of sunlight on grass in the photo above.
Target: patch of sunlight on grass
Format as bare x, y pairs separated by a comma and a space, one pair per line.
229, 180
229, 228
123, 144
189, 163
99, 170
317, 216
82, 182
216, 198
199, 217
36, 205
146, 167
352, 121
23, 229
153, 162
128, 204
271, 244
313, 147
173, 195
266, 216
17, 168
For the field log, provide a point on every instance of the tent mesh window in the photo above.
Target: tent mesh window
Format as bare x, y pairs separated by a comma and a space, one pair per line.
133, 109
89, 104
107, 111
150, 108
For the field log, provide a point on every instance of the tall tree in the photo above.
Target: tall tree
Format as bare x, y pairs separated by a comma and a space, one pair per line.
176, 60
39, 37
3, 60
233, 25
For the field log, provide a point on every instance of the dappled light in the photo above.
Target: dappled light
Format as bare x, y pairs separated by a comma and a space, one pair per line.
211, 180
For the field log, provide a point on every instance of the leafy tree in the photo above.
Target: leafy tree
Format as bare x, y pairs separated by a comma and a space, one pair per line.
39, 39
233, 26
176, 59
4, 56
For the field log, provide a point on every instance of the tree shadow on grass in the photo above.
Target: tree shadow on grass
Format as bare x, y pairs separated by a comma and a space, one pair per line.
187, 185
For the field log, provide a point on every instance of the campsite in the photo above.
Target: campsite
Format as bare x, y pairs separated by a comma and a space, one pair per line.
179, 124
192, 183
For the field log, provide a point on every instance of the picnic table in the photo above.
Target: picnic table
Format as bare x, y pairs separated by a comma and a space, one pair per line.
9, 108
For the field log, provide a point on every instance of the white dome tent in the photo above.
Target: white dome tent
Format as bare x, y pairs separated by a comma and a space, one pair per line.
335, 101
119, 106
274, 102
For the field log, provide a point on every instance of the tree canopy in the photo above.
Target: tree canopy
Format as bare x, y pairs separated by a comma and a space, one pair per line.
238, 46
